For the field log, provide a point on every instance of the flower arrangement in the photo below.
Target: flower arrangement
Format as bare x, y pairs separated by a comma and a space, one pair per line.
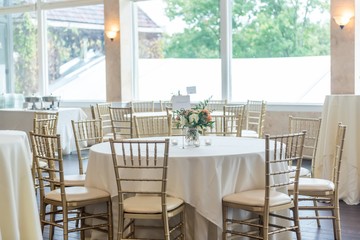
197, 117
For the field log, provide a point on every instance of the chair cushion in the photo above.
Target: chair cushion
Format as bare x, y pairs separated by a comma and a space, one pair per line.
303, 172
74, 180
43, 164
149, 204
314, 184
249, 133
256, 198
74, 194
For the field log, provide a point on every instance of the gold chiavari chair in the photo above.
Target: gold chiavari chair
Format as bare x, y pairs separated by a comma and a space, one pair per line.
216, 105
153, 126
326, 191
104, 113
121, 122
61, 205
271, 202
141, 176
254, 119
312, 127
43, 121
142, 106
86, 134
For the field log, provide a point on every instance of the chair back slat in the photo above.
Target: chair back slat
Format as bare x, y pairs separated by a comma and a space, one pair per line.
312, 127
152, 126
86, 134
121, 122
286, 149
140, 166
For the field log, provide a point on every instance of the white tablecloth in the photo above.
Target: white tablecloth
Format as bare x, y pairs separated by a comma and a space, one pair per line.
344, 109
18, 119
201, 176
19, 217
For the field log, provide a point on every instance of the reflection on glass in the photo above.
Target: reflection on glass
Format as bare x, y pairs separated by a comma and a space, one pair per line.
281, 51
23, 70
76, 56
9, 3
178, 46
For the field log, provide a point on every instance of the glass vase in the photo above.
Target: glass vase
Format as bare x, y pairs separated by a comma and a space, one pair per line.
192, 137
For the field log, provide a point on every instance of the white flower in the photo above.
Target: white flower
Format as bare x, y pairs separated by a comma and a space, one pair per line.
193, 118
183, 121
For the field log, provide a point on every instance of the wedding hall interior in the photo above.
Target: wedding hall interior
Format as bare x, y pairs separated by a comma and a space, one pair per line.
172, 119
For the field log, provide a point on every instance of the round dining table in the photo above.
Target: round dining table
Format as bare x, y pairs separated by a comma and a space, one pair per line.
19, 216
199, 175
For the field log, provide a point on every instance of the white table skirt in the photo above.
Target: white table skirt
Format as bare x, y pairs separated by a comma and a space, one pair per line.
201, 176
19, 119
344, 109
19, 217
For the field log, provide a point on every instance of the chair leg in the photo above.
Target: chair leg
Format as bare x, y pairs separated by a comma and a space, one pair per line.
297, 222
52, 219
182, 228
224, 213
110, 220
65, 224
82, 222
337, 224
317, 214
265, 228
166, 226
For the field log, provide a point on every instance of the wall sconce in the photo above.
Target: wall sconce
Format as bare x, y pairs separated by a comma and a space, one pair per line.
111, 34
342, 20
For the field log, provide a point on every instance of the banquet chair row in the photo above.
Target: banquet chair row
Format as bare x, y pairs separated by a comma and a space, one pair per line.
61, 204
86, 133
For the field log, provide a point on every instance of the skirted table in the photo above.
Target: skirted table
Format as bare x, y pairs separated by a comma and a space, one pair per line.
19, 216
344, 109
200, 175
20, 119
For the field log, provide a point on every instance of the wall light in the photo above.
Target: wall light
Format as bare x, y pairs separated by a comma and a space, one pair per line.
342, 20
111, 34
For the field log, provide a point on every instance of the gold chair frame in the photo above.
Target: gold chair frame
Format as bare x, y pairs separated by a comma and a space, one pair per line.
141, 175
268, 203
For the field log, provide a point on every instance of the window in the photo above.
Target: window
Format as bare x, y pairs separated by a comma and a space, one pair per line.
71, 62
76, 54
177, 51
280, 51
18, 53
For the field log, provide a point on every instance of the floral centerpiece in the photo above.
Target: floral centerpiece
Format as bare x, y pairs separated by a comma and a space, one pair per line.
195, 120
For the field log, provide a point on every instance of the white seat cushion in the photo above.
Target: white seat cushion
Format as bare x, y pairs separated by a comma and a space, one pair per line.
314, 184
304, 172
149, 204
74, 180
256, 198
77, 194
249, 134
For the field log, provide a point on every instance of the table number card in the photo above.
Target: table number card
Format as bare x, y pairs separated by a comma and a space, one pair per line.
180, 101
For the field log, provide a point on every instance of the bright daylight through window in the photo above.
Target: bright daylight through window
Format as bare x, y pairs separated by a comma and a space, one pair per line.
280, 50
272, 50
